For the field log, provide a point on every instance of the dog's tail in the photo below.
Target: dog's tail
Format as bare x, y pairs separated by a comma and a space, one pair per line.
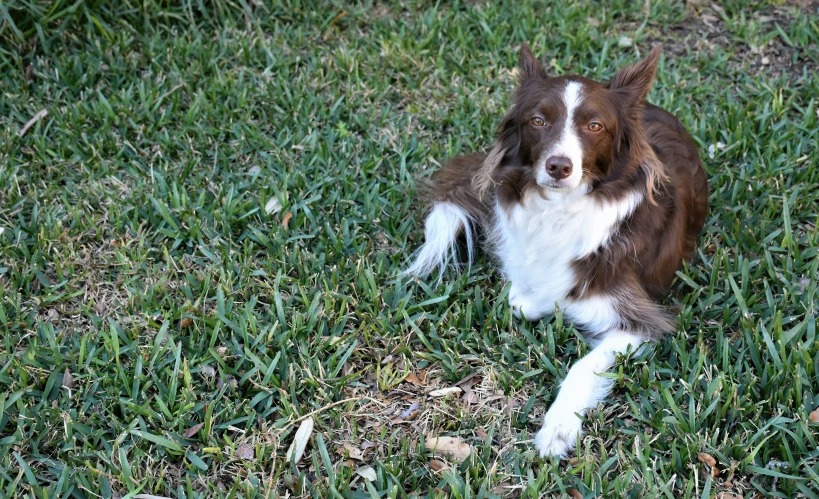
443, 225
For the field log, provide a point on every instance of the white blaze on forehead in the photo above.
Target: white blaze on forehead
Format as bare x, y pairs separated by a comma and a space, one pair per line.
568, 144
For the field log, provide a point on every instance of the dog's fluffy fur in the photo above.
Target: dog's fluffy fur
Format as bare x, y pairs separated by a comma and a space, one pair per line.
590, 199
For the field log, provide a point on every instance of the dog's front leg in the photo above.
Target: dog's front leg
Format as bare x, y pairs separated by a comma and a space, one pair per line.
582, 389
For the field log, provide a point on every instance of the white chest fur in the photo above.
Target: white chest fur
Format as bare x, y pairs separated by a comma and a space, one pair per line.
537, 240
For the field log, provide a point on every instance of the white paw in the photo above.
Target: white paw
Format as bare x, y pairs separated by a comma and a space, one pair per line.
522, 304
561, 427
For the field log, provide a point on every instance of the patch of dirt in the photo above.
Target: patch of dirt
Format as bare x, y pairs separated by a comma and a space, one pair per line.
705, 30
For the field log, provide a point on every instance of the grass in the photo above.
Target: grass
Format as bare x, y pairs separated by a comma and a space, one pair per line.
198, 330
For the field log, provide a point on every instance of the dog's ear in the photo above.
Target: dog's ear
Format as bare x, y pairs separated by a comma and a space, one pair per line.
530, 67
635, 81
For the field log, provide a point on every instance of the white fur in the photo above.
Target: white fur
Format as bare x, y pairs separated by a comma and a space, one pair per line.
582, 389
443, 224
568, 145
537, 240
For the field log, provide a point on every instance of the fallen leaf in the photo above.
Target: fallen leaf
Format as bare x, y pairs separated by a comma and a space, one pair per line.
625, 41
366, 445
467, 378
415, 380
471, 397
410, 410
573, 461
193, 430
449, 446
707, 459
575, 494
436, 465
273, 206
245, 452
296, 449
348, 463
367, 472
444, 391
286, 219
208, 371
479, 431
351, 451
727, 495
68, 379
228, 381
185, 322
814, 416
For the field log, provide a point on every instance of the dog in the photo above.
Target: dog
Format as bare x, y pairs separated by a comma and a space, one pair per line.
590, 199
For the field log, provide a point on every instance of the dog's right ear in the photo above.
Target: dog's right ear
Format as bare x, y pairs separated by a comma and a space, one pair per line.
530, 67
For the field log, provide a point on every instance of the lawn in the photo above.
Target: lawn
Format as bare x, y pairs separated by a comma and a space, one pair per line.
201, 236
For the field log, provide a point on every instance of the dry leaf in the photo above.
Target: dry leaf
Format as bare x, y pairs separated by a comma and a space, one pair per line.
575, 494
245, 452
449, 446
814, 416
471, 397
273, 206
573, 461
296, 449
479, 431
286, 219
436, 465
727, 495
208, 371
415, 380
350, 450
68, 379
185, 322
193, 430
411, 411
707, 459
444, 391
228, 381
367, 472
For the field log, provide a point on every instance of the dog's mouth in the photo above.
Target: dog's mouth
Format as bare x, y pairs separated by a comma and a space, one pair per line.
557, 185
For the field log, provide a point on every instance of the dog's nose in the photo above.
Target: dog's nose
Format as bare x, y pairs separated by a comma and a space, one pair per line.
559, 167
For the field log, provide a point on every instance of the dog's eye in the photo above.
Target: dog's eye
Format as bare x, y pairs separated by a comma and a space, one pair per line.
595, 126
538, 121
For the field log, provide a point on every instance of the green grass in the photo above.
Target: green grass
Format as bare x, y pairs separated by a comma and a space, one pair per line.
137, 254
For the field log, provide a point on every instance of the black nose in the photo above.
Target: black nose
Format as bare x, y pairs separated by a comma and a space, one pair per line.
559, 167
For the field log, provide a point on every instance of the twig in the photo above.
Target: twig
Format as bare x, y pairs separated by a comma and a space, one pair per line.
37, 117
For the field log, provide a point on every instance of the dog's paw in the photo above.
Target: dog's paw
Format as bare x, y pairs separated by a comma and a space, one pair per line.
561, 428
523, 305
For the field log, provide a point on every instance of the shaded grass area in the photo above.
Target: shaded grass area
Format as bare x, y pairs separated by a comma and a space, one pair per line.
137, 254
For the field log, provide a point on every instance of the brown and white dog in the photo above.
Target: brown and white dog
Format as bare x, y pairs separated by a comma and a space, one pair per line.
591, 198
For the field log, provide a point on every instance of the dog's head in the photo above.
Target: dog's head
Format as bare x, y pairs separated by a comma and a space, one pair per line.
571, 130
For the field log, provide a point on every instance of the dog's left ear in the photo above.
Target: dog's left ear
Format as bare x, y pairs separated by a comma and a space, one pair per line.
635, 80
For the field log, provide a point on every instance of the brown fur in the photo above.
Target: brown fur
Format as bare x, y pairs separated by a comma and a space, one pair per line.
642, 148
